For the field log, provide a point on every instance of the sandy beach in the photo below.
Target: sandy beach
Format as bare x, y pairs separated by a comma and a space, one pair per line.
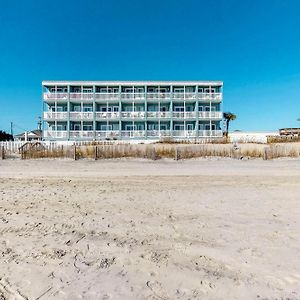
140, 229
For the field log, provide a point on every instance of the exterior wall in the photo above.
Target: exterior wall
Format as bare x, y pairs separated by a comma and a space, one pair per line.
131, 110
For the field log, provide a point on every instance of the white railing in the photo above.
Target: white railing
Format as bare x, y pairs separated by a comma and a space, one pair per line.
107, 115
184, 133
107, 96
81, 134
55, 115
158, 96
185, 114
211, 114
210, 96
133, 114
137, 96
107, 133
74, 115
81, 96
158, 133
55, 96
210, 133
55, 134
133, 133
158, 114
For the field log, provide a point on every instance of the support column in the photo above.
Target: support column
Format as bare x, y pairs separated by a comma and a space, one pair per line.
94, 114
68, 120
197, 112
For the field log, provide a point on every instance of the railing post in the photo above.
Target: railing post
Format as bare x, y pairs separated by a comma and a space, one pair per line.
74, 155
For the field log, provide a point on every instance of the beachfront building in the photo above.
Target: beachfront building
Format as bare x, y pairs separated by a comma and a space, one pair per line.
137, 110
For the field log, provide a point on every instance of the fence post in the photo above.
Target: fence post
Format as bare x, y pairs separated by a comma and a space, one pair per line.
176, 153
75, 157
2, 152
96, 152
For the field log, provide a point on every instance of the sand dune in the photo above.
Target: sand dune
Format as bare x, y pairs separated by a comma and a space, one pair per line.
124, 229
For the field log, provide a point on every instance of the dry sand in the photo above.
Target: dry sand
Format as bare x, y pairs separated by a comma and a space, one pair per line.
197, 229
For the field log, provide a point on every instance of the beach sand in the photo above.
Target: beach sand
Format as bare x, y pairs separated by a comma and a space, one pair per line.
138, 229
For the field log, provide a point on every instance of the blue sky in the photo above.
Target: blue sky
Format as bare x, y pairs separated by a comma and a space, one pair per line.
252, 45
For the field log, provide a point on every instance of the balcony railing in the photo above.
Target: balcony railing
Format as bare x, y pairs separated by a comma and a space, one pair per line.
55, 96
183, 114
107, 133
133, 133
74, 115
210, 133
107, 115
55, 115
133, 114
158, 133
211, 114
81, 134
81, 96
128, 96
55, 134
158, 96
134, 96
158, 114
107, 96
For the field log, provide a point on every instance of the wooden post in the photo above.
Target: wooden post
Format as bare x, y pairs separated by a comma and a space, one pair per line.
2, 152
176, 153
96, 152
75, 157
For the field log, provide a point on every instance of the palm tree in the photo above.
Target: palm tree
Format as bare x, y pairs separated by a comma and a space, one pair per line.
228, 116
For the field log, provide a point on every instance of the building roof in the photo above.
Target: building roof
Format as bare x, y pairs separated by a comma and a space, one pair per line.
35, 133
161, 83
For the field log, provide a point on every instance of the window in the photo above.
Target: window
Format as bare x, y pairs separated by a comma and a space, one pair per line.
178, 108
115, 108
77, 108
200, 108
87, 127
106, 127
87, 108
59, 127
76, 127
213, 126
163, 127
189, 108
200, 90
130, 127
213, 108
207, 108
179, 127
59, 108
207, 127
103, 108
213, 90
87, 90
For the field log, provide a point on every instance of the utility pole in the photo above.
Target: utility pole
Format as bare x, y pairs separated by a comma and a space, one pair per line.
40, 123
11, 129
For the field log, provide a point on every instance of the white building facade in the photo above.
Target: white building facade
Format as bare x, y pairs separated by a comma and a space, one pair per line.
125, 110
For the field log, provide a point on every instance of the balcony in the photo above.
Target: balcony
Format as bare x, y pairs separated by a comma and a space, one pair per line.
51, 115
133, 133
55, 96
210, 133
81, 96
158, 96
81, 134
55, 134
210, 114
133, 114
159, 114
133, 96
74, 115
107, 96
182, 114
111, 134
184, 133
107, 115
158, 133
